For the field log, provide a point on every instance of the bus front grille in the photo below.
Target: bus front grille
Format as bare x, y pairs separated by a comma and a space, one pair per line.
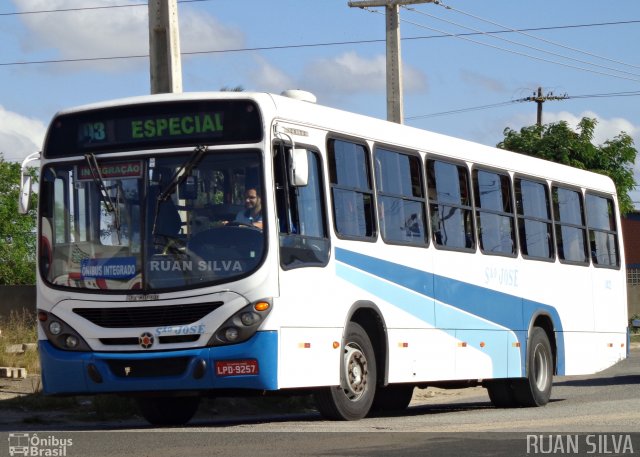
135, 341
147, 316
147, 368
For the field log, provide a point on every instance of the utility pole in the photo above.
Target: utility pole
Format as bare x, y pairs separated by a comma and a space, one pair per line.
394, 60
540, 99
164, 47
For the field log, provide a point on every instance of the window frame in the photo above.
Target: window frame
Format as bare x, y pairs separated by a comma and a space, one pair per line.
286, 145
458, 163
616, 232
520, 218
478, 209
558, 224
422, 200
331, 139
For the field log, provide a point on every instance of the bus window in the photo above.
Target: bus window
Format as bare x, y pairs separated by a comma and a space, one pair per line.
401, 206
569, 223
603, 236
450, 205
351, 189
534, 219
301, 214
494, 213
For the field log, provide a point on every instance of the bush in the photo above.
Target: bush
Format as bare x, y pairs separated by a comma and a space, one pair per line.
21, 327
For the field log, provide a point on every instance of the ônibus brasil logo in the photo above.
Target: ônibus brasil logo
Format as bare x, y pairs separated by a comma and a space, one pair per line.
33, 445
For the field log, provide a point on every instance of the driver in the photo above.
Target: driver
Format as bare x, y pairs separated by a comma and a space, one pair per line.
252, 213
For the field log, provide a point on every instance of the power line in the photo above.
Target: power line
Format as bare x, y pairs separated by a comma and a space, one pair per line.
414, 10
523, 32
463, 110
512, 51
89, 8
520, 100
312, 45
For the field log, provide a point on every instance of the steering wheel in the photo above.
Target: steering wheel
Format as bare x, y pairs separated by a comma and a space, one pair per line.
241, 224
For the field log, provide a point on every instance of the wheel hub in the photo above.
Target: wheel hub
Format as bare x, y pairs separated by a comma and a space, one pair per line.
355, 363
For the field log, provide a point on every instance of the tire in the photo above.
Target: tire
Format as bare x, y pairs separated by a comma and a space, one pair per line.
392, 398
168, 410
535, 389
501, 393
352, 399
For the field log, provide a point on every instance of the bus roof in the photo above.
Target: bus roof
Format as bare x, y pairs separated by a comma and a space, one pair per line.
349, 124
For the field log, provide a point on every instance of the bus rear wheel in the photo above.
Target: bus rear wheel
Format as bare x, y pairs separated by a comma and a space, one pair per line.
352, 399
535, 389
168, 410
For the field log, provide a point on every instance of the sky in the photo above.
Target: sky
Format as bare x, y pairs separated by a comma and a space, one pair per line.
97, 50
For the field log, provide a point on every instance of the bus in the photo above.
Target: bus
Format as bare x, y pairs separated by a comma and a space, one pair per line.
214, 244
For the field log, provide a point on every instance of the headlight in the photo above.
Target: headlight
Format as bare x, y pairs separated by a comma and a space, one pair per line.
249, 319
55, 327
231, 334
242, 325
71, 342
61, 334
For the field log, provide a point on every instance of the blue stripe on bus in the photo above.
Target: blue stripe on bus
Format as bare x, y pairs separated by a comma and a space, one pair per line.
447, 303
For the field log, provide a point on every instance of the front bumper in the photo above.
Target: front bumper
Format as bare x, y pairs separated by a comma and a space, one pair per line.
67, 372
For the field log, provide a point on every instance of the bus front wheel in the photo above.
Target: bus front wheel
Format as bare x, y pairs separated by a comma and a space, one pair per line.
352, 399
168, 410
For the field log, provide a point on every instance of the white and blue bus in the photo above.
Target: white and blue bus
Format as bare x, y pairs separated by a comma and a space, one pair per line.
215, 243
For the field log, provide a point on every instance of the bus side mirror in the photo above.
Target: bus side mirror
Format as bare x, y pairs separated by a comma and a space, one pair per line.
25, 193
25, 183
299, 169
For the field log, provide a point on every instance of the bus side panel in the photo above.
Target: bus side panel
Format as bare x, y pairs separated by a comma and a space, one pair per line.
309, 358
418, 355
473, 345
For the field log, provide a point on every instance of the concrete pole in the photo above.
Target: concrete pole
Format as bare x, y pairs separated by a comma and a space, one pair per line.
164, 47
395, 111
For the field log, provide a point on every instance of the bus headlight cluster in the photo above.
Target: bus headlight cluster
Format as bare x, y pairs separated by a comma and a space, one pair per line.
60, 334
242, 325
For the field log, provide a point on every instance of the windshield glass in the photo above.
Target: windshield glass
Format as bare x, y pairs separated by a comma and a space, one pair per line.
154, 223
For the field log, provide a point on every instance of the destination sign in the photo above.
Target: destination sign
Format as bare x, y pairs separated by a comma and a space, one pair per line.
154, 125
197, 125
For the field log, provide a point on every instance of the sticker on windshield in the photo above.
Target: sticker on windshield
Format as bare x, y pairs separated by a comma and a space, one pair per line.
112, 170
113, 268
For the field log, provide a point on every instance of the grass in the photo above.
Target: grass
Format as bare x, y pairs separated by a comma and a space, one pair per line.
19, 328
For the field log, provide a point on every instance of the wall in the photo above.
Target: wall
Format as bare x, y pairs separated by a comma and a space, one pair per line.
16, 298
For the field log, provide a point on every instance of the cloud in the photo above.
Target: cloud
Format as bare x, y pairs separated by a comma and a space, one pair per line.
484, 82
606, 129
19, 135
269, 78
114, 31
351, 73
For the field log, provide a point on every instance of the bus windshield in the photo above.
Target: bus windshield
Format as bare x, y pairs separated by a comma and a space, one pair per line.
167, 222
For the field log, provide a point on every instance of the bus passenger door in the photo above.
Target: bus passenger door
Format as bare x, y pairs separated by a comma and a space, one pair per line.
307, 357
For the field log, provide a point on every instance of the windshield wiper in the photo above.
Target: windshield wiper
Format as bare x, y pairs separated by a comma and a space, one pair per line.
99, 182
178, 178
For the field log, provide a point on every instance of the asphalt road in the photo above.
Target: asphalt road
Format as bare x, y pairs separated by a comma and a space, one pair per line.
590, 415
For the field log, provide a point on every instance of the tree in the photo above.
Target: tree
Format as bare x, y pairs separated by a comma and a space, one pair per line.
559, 143
17, 232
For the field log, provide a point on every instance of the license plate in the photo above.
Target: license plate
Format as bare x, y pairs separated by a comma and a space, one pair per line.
236, 367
